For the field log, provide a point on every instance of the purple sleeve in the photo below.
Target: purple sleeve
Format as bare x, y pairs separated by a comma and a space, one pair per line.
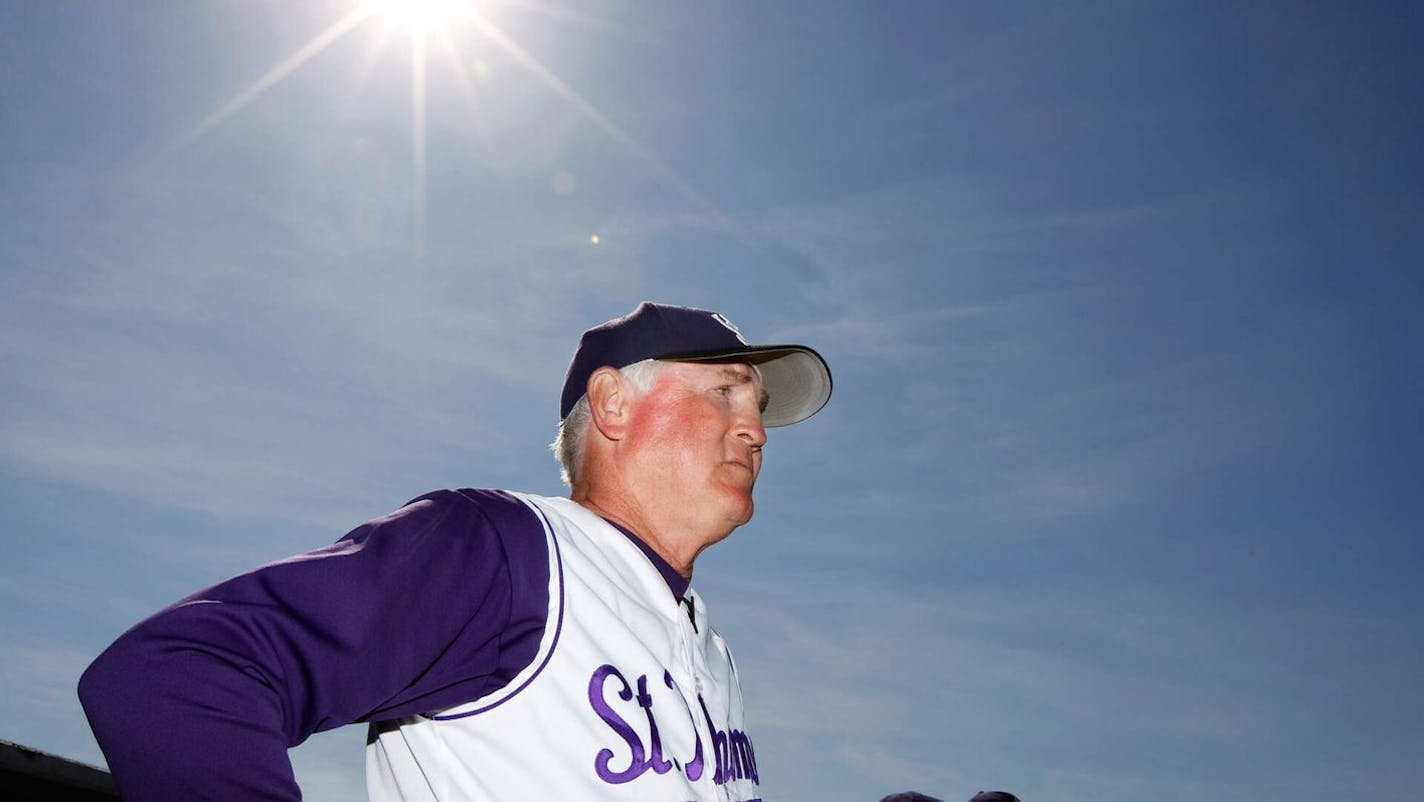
436, 604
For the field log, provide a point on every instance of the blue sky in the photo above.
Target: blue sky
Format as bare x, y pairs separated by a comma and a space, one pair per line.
1117, 497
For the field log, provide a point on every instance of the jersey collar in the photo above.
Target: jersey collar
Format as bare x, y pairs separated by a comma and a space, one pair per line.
677, 583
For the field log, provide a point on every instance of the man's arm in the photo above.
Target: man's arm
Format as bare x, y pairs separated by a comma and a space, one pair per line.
203, 699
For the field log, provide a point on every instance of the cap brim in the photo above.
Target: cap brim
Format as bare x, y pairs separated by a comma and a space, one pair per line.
796, 378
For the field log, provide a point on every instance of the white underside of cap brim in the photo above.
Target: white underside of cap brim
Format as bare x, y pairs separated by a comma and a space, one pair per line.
796, 379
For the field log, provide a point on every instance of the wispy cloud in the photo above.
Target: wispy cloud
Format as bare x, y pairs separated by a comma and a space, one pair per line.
214, 362
1023, 691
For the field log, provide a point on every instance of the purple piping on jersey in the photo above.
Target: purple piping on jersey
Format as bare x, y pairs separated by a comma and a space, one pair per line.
558, 630
676, 582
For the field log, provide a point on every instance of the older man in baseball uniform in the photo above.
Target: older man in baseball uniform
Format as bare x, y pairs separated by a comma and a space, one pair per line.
502, 645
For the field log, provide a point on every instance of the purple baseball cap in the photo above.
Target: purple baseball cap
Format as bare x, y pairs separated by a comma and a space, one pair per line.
796, 378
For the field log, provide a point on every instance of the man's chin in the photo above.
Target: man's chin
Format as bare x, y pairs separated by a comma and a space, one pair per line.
737, 498
746, 514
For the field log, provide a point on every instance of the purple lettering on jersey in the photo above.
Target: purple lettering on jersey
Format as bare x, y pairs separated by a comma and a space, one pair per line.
741, 748
719, 746
655, 756
693, 768
731, 749
636, 764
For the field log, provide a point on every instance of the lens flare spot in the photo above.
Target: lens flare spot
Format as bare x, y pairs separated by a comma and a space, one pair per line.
594, 239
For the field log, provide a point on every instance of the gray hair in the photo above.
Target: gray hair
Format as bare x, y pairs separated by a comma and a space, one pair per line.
568, 444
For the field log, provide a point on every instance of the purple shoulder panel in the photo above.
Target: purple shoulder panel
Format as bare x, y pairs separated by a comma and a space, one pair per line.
433, 605
499, 640
557, 623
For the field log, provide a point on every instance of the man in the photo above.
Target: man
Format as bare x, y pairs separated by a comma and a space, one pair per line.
502, 645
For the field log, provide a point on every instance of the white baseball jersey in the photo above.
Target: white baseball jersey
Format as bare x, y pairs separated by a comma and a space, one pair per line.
628, 698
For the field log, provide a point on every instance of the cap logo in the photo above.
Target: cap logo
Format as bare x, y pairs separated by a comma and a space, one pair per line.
717, 316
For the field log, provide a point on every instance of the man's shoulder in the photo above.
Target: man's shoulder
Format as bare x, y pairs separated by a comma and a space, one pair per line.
479, 496
504, 509
455, 521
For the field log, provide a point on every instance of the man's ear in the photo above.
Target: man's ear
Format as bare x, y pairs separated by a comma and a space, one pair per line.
610, 397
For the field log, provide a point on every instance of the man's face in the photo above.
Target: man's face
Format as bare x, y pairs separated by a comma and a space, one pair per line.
696, 439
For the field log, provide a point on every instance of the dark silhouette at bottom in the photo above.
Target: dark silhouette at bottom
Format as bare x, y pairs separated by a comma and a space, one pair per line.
982, 796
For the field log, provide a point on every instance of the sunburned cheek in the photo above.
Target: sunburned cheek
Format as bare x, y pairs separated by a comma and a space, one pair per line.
677, 422
672, 457
652, 428
666, 431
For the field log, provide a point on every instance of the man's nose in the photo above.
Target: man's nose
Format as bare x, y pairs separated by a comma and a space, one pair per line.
749, 428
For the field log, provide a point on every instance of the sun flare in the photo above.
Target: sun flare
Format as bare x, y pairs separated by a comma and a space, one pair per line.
435, 24
419, 17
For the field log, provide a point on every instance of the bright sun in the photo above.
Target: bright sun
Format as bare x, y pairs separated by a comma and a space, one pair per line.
419, 16
422, 21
